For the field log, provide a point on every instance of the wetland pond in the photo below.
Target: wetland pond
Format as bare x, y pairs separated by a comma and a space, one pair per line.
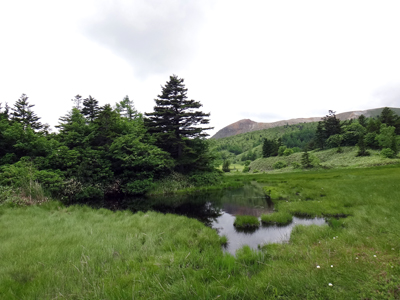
218, 209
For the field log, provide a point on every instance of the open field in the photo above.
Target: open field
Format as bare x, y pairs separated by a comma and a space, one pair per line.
53, 252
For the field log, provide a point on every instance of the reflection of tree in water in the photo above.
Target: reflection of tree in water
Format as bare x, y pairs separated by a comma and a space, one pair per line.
203, 206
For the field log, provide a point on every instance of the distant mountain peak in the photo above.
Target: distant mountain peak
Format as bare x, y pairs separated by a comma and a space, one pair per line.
247, 125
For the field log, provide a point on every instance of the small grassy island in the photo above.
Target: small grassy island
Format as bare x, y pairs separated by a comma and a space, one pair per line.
246, 222
278, 218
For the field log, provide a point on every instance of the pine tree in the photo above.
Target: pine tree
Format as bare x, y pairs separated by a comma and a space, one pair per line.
305, 159
22, 113
175, 123
362, 148
331, 124
90, 108
225, 166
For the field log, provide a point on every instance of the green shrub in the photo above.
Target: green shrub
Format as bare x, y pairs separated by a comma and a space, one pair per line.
281, 218
246, 169
247, 162
279, 165
7, 194
388, 153
296, 165
281, 150
288, 152
246, 222
205, 178
89, 194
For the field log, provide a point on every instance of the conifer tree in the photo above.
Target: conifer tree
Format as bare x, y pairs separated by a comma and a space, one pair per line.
22, 113
126, 108
77, 101
305, 159
175, 123
90, 108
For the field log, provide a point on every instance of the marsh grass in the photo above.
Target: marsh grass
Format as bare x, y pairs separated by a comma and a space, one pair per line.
53, 252
278, 218
246, 222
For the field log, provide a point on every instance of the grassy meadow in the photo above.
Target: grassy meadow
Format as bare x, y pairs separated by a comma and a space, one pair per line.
56, 252
326, 159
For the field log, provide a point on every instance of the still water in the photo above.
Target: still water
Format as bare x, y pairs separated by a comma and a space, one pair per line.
218, 209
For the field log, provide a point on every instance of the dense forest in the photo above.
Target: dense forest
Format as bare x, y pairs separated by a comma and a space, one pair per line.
108, 151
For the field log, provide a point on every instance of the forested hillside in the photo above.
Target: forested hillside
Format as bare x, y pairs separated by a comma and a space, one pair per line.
248, 146
380, 132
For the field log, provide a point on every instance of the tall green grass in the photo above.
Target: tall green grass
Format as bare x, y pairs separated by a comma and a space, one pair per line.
53, 252
246, 222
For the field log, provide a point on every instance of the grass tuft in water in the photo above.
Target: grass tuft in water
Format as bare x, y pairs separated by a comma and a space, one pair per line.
246, 222
280, 218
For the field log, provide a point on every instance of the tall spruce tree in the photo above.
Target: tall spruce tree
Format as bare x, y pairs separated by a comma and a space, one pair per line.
175, 123
22, 113
90, 108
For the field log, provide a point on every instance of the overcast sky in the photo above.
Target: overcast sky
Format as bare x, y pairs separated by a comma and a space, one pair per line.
257, 59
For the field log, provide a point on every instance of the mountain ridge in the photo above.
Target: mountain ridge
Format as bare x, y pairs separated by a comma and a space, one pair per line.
247, 125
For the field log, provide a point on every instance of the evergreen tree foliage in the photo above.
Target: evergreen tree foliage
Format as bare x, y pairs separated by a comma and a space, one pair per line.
270, 148
4, 113
90, 108
23, 114
126, 108
77, 101
320, 136
388, 117
362, 120
175, 123
225, 166
332, 124
305, 159
362, 147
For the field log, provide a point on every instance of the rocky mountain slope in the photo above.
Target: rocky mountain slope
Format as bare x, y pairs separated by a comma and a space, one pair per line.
247, 125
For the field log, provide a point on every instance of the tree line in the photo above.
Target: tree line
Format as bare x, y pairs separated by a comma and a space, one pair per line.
106, 151
381, 133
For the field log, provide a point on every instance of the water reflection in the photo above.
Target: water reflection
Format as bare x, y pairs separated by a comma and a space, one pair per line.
218, 209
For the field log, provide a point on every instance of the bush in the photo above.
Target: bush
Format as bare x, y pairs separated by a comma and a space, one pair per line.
288, 152
246, 169
388, 153
205, 178
279, 165
296, 165
7, 194
281, 150
89, 194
